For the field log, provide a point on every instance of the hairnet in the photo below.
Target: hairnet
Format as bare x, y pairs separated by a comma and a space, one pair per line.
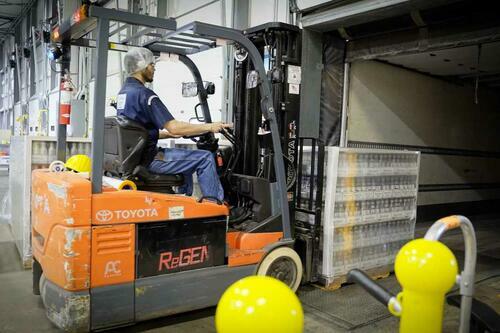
137, 59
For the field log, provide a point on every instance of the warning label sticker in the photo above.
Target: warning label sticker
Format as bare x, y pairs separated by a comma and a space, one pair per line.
176, 212
294, 74
294, 89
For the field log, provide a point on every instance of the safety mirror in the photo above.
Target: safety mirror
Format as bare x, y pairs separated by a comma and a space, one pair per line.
190, 89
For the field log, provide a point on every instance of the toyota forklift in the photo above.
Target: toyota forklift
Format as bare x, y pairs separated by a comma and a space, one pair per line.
104, 257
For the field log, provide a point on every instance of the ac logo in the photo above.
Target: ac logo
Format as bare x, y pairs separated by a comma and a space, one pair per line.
112, 269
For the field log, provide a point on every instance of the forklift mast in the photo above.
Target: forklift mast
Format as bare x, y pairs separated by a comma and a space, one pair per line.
279, 47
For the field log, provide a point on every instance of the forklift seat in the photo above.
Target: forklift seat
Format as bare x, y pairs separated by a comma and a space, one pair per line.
124, 143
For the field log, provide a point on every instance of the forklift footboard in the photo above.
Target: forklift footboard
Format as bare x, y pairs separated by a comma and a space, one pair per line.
69, 311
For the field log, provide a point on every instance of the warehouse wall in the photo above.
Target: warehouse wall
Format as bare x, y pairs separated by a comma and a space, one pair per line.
221, 12
392, 105
7, 85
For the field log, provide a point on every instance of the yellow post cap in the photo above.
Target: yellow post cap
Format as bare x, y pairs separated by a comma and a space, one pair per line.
259, 304
426, 265
79, 163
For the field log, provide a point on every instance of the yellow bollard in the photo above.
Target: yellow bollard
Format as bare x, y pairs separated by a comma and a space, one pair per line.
259, 304
426, 270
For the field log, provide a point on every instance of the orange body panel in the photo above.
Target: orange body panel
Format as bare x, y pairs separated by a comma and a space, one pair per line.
113, 254
249, 248
244, 257
231, 238
83, 240
62, 206
257, 241
140, 206
61, 227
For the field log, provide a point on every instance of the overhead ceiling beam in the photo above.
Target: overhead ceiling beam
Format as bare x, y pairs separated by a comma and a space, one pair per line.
363, 11
412, 42
485, 76
8, 18
26, 7
352, 13
103, 2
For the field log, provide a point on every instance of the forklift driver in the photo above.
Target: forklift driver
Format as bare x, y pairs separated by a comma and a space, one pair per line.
142, 105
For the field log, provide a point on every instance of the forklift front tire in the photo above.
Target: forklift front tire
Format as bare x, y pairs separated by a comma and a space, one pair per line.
284, 264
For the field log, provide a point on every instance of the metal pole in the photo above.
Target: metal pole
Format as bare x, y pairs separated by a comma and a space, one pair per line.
467, 276
61, 128
19, 91
202, 93
100, 66
345, 101
11, 101
35, 60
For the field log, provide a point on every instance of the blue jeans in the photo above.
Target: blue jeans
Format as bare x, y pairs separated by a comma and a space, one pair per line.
186, 162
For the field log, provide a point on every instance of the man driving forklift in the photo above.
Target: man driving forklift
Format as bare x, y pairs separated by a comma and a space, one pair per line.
142, 105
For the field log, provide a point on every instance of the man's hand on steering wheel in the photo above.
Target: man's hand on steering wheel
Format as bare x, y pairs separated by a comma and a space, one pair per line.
218, 126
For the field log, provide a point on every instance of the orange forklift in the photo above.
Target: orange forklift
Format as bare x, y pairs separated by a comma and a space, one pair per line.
105, 258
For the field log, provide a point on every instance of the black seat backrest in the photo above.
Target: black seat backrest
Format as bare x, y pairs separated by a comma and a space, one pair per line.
124, 143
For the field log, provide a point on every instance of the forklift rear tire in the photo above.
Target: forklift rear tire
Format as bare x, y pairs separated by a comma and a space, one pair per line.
284, 264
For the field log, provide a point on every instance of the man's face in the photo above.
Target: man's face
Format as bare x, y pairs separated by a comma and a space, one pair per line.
149, 73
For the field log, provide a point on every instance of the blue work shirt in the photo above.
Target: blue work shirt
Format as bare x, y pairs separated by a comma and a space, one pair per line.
142, 105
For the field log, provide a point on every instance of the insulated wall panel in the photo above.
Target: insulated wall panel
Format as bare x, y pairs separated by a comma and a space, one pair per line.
389, 105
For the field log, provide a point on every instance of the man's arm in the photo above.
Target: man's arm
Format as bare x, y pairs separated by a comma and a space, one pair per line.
164, 134
181, 128
160, 115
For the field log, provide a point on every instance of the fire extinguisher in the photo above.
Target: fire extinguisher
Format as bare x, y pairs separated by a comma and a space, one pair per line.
65, 101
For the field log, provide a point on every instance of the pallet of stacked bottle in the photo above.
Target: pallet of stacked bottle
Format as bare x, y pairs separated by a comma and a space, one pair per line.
44, 150
30, 153
370, 210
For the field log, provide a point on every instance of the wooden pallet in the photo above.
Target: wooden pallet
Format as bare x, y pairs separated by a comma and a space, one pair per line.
375, 273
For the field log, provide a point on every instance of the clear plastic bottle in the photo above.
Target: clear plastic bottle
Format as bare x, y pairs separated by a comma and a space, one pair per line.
44, 151
88, 149
51, 152
36, 153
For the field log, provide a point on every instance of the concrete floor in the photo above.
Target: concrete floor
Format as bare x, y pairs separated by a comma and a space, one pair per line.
21, 311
